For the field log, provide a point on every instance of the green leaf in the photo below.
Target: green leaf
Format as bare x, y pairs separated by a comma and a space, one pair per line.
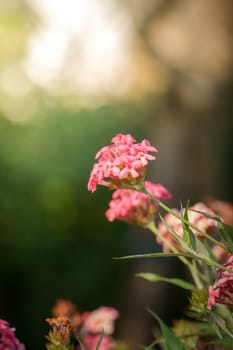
188, 234
80, 343
220, 322
226, 234
201, 248
213, 217
158, 255
119, 345
181, 241
224, 341
189, 331
207, 260
192, 240
171, 341
152, 277
100, 340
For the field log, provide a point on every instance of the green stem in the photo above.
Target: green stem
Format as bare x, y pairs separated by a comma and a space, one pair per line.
151, 226
192, 267
187, 255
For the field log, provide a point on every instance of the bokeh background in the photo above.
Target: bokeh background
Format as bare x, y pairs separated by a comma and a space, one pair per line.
73, 74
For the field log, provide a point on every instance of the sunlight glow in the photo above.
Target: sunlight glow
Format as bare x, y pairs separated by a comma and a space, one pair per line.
83, 45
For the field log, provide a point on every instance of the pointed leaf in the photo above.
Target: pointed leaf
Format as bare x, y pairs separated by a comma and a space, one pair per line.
152, 277
181, 241
100, 340
201, 248
226, 234
82, 347
193, 241
213, 217
181, 283
171, 341
157, 255
224, 341
216, 319
205, 259
188, 234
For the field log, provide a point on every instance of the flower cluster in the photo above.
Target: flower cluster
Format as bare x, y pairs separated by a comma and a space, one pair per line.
200, 236
8, 340
136, 207
60, 330
222, 290
100, 319
96, 322
89, 327
68, 309
121, 163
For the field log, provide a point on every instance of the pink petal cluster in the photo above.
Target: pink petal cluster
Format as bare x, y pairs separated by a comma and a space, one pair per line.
219, 252
136, 207
100, 319
175, 224
222, 290
201, 221
120, 163
96, 322
8, 340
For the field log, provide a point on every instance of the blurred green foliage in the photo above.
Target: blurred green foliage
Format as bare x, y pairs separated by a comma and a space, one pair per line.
55, 240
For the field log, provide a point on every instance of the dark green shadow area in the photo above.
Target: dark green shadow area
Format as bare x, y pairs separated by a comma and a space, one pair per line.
55, 239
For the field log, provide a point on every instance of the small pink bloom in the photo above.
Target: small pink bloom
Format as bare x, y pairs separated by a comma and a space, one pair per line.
211, 300
8, 340
135, 207
219, 252
157, 190
90, 342
222, 290
121, 163
201, 221
175, 224
100, 319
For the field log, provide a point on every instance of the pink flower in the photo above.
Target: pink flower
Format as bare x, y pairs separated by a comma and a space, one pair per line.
121, 163
222, 290
136, 207
219, 252
90, 342
175, 224
100, 319
211, 300
197, 219
8, 340
201, 221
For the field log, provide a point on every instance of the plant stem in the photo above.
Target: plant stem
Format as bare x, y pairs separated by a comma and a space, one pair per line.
192, 267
